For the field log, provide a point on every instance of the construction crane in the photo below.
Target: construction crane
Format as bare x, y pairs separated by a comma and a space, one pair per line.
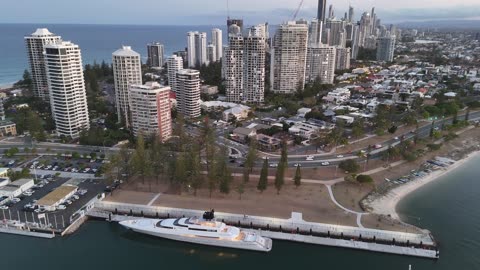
298, 10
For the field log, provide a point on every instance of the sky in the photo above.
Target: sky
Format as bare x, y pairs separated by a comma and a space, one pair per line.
214, 12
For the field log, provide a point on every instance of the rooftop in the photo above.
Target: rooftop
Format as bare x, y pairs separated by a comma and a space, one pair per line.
55, 196
126, 51
40, 32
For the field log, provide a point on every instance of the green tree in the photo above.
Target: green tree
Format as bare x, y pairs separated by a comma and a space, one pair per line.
358, 128
280, 177
349, 165
195, 176
263, 181
180, 178
240, 190
158, 155
298, 177
226, 180
140, 162
364, 178
251, 157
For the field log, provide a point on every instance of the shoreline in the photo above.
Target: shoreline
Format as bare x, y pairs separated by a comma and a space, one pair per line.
387, 203
4, 86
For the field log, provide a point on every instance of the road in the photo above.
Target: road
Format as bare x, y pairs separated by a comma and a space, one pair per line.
333, 159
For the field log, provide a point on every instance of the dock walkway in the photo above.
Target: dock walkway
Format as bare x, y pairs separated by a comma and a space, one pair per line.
293, 229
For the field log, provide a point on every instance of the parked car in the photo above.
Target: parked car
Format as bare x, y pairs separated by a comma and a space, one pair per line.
325, 163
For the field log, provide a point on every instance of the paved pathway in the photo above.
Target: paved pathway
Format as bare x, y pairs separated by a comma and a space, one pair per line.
358, 214
154, 199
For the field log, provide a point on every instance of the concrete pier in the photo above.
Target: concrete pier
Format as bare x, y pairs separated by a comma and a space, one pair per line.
293, 229
10, 230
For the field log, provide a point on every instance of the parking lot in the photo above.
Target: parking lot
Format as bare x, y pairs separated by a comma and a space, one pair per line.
66, 164
58, 219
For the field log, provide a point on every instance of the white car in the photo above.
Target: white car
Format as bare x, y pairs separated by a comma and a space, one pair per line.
325, 163
3, 207
61, 207
310, 158
340, 156
273, 165
297, 165
15, 200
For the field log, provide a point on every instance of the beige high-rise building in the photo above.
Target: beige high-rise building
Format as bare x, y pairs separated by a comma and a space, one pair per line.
127, 71
289, 55
254, 68
68, 96
174, 64
321, 64
233, 68
35, 44
188, 93
150, 108
343, 56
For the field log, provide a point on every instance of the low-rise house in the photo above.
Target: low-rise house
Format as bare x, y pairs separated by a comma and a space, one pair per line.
268, 143
240, 112
16, 188
209, 89
303, 111
242, 134
347, 120
337, 96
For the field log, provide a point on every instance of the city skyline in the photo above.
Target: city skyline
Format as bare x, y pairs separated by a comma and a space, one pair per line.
174, 13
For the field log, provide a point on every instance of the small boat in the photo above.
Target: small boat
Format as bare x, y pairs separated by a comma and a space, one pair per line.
205, 231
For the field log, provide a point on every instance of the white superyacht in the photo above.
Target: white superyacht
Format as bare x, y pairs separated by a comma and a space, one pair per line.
203, 231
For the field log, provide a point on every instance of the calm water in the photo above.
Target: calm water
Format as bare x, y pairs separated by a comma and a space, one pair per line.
447, 207
97, 42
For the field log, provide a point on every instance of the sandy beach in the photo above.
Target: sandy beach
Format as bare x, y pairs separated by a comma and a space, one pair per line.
387, 204
6, 86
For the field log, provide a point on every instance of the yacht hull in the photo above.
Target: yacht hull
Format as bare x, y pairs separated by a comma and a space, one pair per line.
209, 241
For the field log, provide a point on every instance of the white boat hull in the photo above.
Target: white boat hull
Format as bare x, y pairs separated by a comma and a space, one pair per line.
218, 242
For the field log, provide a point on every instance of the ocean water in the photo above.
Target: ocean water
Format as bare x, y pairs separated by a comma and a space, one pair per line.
97, 42
448, 207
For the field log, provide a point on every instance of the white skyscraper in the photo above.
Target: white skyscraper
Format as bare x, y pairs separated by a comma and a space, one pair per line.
127, 70
385, 48
321, 64
68, 97
174, 64
197, 48
289, 55
191, 49
217, 41
188, 93
233, 68
150, 107
315, 32
155, 53
254, 69
35, 46
337, 32
211, 53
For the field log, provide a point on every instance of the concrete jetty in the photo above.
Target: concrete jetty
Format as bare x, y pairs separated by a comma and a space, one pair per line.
293, 229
